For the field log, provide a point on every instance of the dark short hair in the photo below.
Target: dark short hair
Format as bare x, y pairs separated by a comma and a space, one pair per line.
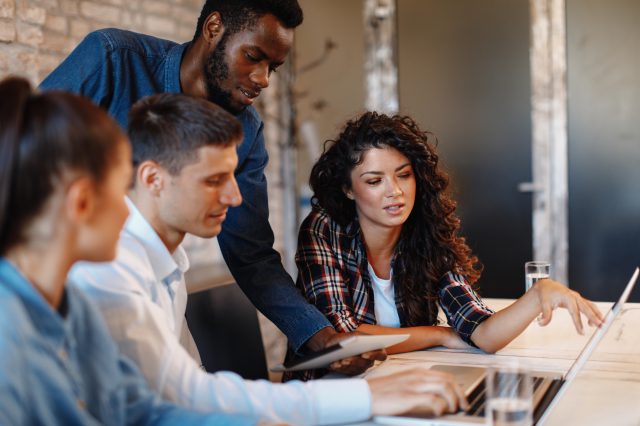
169, 128
239, 15
42, 136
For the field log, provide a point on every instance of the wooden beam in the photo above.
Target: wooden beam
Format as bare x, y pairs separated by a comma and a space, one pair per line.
549, 134
381, 70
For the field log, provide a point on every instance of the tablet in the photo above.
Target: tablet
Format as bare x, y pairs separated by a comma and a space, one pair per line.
351, 346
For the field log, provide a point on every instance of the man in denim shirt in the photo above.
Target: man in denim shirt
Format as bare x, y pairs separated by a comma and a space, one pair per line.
236, 47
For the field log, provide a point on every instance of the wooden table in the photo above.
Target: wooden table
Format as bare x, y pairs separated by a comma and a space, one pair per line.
607, 390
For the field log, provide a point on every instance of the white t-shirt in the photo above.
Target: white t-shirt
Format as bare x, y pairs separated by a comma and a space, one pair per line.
384, 300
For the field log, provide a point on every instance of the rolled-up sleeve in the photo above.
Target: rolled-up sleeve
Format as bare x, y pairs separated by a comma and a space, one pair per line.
462, 306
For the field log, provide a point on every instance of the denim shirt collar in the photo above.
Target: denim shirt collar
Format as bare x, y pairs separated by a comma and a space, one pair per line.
44, 317
172, 69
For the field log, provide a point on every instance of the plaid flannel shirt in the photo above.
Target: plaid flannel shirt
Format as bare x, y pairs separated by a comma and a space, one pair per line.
333, 275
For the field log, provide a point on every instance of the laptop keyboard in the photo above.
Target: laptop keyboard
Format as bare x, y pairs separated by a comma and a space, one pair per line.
477, 397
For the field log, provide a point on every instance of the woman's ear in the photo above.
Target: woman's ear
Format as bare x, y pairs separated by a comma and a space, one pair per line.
348, 192
80, 199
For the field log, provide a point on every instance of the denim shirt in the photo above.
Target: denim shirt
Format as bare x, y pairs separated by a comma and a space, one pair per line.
66, 370
115, 68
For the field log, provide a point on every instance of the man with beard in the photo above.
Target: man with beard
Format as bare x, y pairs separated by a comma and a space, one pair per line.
236, 47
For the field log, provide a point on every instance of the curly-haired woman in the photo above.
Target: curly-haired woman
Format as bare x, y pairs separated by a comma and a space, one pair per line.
381, 248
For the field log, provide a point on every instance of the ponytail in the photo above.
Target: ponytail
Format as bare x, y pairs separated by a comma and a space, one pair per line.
15, 93
42, 136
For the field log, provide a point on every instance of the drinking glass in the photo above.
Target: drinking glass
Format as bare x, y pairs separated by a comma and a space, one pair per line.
509, 397
534, 271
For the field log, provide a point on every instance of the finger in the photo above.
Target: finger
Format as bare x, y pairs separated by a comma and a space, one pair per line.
572, 307
590, 311
379, 355
547, 313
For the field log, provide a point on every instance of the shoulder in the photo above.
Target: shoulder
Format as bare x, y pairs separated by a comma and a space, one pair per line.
251, 122
131, 270
318, 221
113, 39
12, 311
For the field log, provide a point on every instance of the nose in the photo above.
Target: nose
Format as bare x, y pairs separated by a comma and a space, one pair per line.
260, 75
393, 189
230, 195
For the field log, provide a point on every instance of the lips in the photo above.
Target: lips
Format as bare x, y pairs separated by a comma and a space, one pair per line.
249, 95
394, 209
218, 216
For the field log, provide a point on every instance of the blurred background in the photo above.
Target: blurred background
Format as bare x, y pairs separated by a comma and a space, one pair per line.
464, 73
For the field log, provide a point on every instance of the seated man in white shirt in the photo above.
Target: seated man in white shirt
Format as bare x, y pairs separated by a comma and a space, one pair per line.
184, 152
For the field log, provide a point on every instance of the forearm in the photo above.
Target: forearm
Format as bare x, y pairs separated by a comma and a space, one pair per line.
419, 337
502, 327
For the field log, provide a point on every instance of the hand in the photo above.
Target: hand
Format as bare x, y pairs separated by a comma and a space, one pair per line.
354, 365
351, 366
552, 294
416, 391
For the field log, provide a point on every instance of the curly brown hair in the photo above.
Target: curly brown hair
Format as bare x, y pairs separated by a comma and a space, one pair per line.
429, 244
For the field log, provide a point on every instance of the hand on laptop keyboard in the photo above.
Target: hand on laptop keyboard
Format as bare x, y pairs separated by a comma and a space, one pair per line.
417, 391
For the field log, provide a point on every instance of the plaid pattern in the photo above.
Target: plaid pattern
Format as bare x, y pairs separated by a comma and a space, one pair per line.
333, 275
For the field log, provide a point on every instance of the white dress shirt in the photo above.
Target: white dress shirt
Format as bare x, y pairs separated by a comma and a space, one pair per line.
142, 295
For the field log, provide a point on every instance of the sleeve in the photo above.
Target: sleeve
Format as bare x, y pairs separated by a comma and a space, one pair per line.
320, 276
86, 71
462, 306
246, 243
144, 335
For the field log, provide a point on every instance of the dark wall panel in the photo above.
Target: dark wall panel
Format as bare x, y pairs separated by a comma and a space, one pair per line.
604, 144
464, 74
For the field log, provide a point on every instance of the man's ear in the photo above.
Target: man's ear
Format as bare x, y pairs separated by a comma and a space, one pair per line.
213, 29
150, 176
80, 199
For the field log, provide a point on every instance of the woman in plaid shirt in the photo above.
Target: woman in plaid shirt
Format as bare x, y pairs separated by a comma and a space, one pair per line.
381, 249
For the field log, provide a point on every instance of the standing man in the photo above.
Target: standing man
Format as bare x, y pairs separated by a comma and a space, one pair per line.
236, 47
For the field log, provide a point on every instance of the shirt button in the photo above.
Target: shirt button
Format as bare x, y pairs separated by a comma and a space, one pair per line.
62, 354
81, 404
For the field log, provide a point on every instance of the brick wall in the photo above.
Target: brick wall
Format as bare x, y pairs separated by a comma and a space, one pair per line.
36, 35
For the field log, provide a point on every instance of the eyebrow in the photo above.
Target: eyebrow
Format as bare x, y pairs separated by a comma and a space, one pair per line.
265, 56
373, 172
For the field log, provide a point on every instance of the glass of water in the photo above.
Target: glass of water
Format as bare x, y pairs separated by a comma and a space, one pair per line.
509, 397
534, 271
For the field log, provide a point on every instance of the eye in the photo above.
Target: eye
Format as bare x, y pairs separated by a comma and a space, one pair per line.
405, 175
373, 182
252, 57
213, 182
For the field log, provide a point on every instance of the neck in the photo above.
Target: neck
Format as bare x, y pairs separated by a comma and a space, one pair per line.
380, 243
170, 236
45, 266
192, 70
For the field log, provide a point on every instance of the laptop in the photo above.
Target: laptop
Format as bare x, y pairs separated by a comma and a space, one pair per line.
548, 387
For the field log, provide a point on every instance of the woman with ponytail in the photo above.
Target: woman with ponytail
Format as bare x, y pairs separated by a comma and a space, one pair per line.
65, 167
381, 248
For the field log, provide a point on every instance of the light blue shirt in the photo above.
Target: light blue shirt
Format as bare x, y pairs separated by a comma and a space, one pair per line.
64, 369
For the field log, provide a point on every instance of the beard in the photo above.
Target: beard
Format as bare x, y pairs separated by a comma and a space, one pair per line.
216, 70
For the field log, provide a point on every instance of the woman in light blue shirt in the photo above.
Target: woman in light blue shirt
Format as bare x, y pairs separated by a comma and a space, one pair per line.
64, 170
